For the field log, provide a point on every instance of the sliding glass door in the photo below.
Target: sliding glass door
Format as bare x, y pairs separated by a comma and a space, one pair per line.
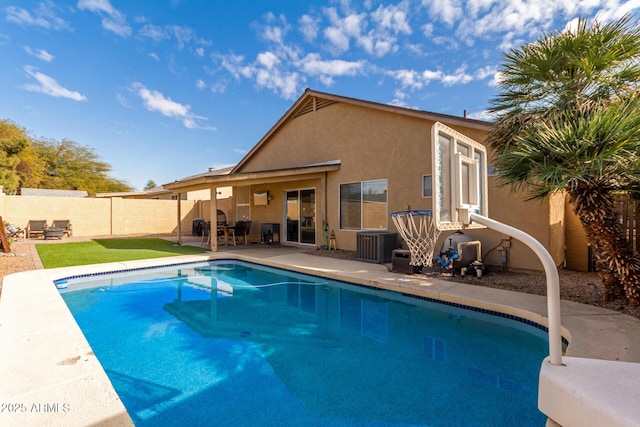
300, 216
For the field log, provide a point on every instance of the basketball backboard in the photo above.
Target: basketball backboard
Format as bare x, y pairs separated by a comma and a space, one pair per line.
459, 178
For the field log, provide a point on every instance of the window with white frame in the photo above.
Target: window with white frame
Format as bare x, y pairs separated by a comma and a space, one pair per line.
427, 186
363, 205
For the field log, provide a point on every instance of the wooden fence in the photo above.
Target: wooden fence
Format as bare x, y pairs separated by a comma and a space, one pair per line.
629, 219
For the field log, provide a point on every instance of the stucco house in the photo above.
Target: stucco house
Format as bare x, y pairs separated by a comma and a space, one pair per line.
350, 163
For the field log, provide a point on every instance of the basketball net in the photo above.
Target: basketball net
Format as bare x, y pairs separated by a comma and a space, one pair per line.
419, 231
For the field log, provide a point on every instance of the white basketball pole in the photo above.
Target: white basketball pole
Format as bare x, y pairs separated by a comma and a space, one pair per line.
553, 281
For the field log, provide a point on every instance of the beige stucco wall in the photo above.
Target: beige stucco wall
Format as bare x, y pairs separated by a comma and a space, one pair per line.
100, 217
370, 144
374, 144
577, 245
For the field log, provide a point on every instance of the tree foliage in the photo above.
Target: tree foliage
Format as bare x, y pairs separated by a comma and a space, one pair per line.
39, 163
151, 184
67, 165
568, 119
13, 140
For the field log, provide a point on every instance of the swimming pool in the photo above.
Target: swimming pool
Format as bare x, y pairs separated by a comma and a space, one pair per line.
233, 343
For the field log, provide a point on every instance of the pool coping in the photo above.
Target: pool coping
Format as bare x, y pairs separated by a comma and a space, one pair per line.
51, 375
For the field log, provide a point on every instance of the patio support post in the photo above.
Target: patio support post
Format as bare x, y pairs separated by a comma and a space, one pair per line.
179, 228
213, 217
323, 209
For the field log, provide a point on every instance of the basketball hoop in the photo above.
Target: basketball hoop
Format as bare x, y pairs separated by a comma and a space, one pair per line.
418, 229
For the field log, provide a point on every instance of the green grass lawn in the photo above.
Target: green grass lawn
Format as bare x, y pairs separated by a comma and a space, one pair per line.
110, 250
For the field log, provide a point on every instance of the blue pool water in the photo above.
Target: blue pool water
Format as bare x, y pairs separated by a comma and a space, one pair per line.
229, 343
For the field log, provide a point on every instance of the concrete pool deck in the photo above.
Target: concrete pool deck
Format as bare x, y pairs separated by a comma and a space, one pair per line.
49, 375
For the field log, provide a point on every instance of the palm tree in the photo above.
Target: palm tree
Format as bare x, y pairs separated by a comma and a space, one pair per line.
568, 120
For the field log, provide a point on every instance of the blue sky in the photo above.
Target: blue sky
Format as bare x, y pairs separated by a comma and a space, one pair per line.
166, 89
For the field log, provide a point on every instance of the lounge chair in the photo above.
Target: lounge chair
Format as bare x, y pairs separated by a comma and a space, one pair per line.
63, 224
35, 228
13, 232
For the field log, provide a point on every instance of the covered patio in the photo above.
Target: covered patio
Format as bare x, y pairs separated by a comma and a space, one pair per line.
292, 199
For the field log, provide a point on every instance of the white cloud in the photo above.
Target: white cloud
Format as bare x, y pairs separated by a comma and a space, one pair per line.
337, 39
112, 19
234, 64
399, 98
458, 77
309, 27
447, 11
414, 80
509, 23
275, 33
376, 32
487, 71
393, 18
267, 60
40, 54
451, 43
156, 101
312, 64
153, 32
273, 69
409, 79
200, 84
285, 83
183, 36
427, 30
429, 75
218, 87
482, 115
266, 70
43, 16
342, 30
49, 86
154, 56
614, 10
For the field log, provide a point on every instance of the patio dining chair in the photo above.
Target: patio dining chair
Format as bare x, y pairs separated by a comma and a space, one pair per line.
206, 233
241, 231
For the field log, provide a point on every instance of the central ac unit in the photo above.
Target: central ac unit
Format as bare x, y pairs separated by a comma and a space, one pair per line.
376, 246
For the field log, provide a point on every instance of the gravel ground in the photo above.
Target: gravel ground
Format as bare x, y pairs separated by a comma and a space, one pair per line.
585, 288
19, 259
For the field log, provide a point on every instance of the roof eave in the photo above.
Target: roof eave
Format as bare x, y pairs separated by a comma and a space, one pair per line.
249, 178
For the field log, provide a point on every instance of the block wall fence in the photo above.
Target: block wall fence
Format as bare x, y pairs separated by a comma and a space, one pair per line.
109, 216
